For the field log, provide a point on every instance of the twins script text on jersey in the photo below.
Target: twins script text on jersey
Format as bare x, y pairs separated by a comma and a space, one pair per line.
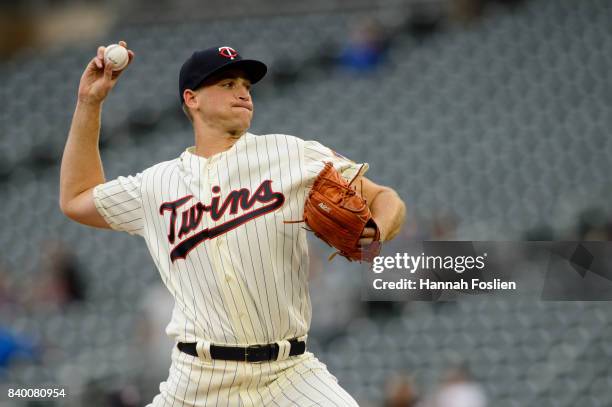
191, 218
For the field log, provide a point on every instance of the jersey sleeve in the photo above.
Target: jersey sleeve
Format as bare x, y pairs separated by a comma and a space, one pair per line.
316, 155
120, 203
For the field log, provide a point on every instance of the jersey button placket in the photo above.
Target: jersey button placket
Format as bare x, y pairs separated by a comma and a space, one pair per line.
228, 285
223, 266
211, 169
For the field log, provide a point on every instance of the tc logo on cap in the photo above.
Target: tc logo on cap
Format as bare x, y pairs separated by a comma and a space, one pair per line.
228, 52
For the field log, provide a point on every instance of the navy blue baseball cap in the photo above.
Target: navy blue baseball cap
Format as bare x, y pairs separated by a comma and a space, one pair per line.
203, 64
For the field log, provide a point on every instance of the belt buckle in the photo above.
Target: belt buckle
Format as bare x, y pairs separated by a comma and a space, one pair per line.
252, 348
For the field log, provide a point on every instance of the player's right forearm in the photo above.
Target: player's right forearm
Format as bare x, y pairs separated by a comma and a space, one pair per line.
81, 164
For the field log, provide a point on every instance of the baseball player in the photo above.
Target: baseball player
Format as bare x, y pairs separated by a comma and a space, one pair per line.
214, 222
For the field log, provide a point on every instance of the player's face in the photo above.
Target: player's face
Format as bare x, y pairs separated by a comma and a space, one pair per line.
225, 101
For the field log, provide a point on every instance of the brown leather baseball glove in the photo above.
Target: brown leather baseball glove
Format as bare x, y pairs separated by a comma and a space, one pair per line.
337, 214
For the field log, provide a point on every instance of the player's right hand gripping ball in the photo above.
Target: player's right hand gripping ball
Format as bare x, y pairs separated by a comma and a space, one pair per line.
337, 214
117, 56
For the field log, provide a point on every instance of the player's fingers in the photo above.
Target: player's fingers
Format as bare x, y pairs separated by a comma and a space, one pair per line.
100, 53
130, 56
108, 72
364, 241
99, 62
93, 64
368, 232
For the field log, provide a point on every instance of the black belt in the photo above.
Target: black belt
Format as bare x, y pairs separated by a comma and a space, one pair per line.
254, 353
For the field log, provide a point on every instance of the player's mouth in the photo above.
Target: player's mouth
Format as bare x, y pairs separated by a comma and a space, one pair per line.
244, 105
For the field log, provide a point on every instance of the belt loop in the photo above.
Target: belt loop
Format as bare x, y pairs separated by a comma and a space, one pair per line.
283, 349
203, 350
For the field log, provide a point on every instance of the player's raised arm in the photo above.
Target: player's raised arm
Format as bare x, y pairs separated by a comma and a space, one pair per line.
81, 168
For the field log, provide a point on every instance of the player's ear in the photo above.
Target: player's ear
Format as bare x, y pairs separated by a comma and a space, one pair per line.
190, 98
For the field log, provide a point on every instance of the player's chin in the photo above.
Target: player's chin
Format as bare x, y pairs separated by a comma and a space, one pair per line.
240, 127
241, 112
243, 121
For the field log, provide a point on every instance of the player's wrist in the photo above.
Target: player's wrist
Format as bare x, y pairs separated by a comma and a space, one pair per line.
89, 102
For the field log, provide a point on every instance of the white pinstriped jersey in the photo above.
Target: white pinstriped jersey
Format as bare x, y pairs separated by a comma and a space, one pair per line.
214, 227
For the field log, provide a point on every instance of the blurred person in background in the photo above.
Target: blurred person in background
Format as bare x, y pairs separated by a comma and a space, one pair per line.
593, 224
61, 283
127, 395
459, 389
400, 391
366, 47
14, 348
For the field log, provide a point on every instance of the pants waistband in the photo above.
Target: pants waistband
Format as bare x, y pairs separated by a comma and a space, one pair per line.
255, 353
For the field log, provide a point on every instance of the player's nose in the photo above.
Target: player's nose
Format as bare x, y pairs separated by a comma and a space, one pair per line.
243, 93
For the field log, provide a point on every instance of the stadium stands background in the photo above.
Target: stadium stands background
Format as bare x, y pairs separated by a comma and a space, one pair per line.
492, 124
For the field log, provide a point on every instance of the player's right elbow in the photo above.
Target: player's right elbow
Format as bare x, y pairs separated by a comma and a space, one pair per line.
69, 207
66, 208
71, 210
82, 209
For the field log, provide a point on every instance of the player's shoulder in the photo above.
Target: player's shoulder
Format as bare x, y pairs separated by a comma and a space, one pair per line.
302, 144
278, 137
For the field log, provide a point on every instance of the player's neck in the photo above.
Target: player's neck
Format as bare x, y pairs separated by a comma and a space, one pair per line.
209, 141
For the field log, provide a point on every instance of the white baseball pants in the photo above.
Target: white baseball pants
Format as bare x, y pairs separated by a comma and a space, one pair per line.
297, 381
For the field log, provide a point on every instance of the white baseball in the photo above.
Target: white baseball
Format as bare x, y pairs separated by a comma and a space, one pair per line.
117, 56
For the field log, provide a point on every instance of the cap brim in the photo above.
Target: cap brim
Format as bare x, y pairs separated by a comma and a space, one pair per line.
255, 70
